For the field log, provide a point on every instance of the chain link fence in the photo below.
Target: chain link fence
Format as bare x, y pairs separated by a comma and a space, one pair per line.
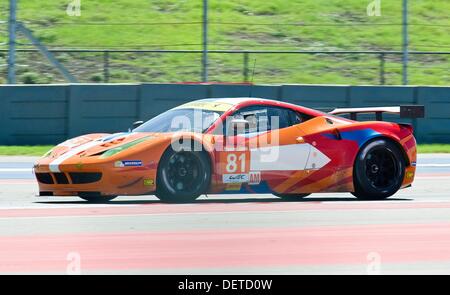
165, 66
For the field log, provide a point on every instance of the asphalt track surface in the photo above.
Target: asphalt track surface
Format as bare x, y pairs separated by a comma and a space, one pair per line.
227, 234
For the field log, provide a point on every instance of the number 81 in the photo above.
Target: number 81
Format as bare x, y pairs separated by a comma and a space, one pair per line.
232, 163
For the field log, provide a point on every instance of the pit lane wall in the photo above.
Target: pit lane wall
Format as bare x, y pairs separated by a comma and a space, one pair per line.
48, 114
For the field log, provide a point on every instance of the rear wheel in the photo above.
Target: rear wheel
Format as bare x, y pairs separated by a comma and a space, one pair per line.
379, 170
291, 197
183, 176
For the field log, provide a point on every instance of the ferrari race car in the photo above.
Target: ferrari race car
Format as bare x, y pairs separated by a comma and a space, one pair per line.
238, 145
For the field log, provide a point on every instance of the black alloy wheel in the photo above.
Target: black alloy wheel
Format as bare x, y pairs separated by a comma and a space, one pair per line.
379, 170
183, 176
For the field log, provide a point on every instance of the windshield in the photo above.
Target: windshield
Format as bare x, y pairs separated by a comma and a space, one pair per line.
176, 120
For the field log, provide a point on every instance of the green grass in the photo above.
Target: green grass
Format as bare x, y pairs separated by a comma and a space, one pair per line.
40, 150
12, 150
246, 24
433, 148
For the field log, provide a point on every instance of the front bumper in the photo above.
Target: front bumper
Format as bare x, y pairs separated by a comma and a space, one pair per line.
96, 176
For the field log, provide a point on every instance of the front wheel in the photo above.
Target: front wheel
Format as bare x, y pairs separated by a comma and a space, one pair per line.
379, 170
183, 176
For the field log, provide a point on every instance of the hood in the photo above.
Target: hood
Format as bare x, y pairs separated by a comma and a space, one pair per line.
93, 144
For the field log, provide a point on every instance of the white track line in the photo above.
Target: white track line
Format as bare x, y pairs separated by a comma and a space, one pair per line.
16, 170
433, 165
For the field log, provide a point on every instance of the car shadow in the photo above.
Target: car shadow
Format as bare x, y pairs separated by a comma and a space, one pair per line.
224, 201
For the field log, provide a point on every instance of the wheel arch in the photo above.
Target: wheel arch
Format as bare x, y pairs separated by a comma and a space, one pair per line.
204, 149
388, 138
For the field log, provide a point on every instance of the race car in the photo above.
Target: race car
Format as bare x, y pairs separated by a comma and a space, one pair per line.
238, 146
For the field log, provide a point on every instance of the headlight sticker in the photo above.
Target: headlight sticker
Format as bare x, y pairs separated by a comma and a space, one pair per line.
128, 163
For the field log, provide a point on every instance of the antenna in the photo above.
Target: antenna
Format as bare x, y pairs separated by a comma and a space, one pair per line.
253, 75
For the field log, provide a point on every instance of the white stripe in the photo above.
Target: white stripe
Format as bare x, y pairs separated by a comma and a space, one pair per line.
276, 158
69, 199
287, 158
54, 165
316, 159
431, 177
146, 214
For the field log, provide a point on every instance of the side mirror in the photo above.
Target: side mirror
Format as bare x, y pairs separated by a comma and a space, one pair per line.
237, 125
136, 125
237, 122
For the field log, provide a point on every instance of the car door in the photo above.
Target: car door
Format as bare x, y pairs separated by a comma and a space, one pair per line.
266, 151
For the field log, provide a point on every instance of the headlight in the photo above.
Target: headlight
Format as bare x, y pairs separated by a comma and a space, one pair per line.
116, 150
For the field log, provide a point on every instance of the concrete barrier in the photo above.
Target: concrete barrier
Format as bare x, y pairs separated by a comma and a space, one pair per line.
48, 114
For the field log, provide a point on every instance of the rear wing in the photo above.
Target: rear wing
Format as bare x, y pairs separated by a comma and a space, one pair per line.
405, 111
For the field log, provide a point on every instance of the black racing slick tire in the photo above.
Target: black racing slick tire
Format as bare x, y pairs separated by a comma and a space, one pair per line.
182, 176
95, 198
379, 170
291, 197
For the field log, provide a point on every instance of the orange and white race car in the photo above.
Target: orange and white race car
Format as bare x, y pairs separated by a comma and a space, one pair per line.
237, 145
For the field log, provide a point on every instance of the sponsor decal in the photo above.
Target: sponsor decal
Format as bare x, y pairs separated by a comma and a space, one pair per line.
134, 163
413, 164
233, 187
409, 174
149, 182
235, 178
254, 177
79, 166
